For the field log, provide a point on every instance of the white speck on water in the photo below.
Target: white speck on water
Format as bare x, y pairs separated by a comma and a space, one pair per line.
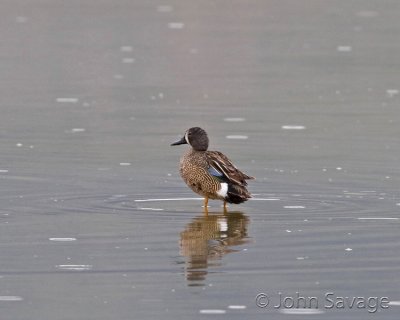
293, 127
367, 14
118, 76
62, 239
237, 307
358, 28
19, 145
152, 209
392, 92
394, 303
302, 258
349, 194
165, 8
339, 168
237, 137
74, 267
301, 311
348, 249
124, 164
3, 170
21, 19
167, 199
194, 51
77, 130
176, 25
344, 48
11, 298
212, 311
288, 231
67, 100
378, 218
118, 196
324, 169
294, 207
128, 60
238, 119
126, 48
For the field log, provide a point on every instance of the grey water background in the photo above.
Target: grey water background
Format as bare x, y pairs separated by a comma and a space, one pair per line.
304, 95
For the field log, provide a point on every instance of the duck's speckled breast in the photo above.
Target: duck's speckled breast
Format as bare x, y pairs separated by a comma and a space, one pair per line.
193, 170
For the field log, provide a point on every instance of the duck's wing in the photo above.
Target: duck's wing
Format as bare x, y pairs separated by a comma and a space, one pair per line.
221, 167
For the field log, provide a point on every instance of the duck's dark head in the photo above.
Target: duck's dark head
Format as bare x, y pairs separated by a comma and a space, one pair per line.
196, 137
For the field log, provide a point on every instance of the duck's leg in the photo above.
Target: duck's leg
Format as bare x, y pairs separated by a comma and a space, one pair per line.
206, 205
206, 202
225, 206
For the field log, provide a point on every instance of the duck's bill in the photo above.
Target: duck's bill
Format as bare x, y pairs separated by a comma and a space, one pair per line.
181, 141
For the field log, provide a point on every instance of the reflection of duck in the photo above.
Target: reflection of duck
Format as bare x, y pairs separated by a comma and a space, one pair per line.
208, 238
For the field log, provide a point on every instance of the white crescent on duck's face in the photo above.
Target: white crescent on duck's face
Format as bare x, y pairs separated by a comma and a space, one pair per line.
186, 137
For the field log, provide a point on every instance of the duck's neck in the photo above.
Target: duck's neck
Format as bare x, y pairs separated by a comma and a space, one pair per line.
196, 151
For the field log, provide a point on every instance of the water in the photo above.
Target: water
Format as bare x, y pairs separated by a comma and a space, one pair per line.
95, 222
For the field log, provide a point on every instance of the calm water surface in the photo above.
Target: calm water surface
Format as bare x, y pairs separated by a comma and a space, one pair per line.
95, 222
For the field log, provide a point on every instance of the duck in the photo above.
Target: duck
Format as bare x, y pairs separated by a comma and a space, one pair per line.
210, 173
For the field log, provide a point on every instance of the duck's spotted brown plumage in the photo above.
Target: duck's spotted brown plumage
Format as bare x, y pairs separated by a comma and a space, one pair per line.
210, 173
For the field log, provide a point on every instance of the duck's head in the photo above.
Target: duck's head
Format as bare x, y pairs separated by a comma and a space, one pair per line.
195, 137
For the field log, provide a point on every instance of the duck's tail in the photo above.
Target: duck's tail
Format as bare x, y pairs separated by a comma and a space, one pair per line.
237, 194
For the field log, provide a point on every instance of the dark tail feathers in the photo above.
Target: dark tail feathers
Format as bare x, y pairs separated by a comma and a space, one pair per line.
237, 194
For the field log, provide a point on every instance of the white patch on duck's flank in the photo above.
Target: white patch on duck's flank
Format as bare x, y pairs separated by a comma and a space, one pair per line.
224, 190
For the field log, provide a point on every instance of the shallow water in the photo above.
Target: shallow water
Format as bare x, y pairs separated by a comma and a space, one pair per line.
95, 222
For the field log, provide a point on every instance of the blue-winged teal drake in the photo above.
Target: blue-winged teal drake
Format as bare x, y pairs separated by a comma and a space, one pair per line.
210, 173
